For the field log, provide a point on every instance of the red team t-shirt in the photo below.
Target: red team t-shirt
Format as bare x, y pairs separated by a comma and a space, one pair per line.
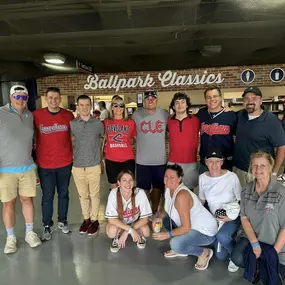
53, 139
119, 135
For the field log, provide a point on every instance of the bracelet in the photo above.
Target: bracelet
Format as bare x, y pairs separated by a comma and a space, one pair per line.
256, 244
170, 234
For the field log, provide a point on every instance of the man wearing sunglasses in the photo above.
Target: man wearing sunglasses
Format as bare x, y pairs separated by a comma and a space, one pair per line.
151, 151
17, 169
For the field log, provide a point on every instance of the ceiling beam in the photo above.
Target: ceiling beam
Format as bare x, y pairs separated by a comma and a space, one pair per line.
152, 31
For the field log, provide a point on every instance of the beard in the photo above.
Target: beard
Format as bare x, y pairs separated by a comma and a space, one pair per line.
250, 108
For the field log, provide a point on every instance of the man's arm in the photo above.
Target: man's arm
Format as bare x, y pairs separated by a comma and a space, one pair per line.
280, 156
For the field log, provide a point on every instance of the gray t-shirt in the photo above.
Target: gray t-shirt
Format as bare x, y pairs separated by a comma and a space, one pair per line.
16, 138
87, 146
266, 213
151, 132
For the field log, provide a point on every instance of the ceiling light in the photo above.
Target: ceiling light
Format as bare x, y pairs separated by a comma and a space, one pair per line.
54, 58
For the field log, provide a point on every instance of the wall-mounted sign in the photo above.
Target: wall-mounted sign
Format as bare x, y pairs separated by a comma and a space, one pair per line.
247, 76
80, 66
277, 74
166, 79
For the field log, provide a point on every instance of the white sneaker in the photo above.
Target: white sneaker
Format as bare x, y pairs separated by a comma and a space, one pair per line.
32, 239
232, 267
11, 245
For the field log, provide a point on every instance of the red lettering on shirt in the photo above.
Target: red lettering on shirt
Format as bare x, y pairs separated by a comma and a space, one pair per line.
215, 129
149, 126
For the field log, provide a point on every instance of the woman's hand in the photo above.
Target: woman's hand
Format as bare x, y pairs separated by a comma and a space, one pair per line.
224, 219
257, 251
160, 236
122, 239
135, 235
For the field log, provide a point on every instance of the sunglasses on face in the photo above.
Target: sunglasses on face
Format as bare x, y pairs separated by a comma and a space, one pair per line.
118, 105
18, 97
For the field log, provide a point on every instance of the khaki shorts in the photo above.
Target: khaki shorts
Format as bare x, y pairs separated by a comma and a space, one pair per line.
11, 183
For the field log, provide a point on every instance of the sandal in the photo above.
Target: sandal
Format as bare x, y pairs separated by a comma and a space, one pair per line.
204, 262
171, 254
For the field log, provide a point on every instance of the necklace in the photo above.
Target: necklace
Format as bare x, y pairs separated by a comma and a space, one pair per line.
216, 115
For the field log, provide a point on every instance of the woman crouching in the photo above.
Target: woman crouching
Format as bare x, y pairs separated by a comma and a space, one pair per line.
127, 212
188, 223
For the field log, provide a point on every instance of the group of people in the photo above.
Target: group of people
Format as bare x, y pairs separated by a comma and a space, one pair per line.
236, 176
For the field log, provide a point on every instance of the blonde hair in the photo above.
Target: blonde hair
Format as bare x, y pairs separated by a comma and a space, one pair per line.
118, 100
259, 154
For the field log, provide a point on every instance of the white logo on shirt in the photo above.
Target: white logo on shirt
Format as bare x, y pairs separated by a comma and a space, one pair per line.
55, 128
269, 207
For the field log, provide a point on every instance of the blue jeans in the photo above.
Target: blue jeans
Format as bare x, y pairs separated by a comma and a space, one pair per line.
237, 256
52, 179
190, 243
225, 238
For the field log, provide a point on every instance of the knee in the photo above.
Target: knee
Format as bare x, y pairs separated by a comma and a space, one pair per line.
26, 200
9, 205
111, 231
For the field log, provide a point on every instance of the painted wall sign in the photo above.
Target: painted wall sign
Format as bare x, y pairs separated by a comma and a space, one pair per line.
247, 76
166, 79
277, 74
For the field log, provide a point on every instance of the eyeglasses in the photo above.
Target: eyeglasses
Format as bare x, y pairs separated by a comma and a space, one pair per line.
118, 105
18, 97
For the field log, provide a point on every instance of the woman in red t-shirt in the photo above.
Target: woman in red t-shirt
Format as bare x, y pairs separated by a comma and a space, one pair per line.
120, 132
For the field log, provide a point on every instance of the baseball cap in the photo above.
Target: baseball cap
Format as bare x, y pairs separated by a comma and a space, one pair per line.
150, 93
23, 90
214, 153
252, 89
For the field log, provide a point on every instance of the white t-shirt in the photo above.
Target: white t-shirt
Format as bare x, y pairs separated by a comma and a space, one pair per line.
201, 219
104, 115
219, 190
143, 208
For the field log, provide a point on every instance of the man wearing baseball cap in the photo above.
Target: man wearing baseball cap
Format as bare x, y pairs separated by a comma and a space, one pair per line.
150, 148
17, 169
257, 129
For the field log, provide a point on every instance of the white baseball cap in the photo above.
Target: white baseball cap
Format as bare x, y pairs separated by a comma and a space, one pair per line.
22, 89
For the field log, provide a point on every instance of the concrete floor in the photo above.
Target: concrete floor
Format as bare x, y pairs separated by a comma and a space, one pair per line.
74, 259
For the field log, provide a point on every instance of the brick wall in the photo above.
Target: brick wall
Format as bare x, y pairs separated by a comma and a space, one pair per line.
73, 84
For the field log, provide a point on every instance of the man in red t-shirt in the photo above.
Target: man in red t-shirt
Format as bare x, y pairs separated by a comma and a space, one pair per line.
54, 158
183, 131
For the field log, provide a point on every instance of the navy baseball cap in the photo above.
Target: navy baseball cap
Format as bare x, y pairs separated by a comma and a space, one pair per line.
150, 93
252, 89
214, 153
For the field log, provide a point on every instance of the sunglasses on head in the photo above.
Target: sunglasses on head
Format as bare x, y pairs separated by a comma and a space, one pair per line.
18, 97
119, 105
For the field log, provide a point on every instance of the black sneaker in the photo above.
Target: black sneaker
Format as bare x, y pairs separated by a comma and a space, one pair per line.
115, 245
46, 235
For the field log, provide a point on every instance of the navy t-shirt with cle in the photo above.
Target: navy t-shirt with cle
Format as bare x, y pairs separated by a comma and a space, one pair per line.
217, 131
263, 133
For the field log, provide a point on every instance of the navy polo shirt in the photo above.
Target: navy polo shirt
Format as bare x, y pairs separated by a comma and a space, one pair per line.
217, 131
263, 133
